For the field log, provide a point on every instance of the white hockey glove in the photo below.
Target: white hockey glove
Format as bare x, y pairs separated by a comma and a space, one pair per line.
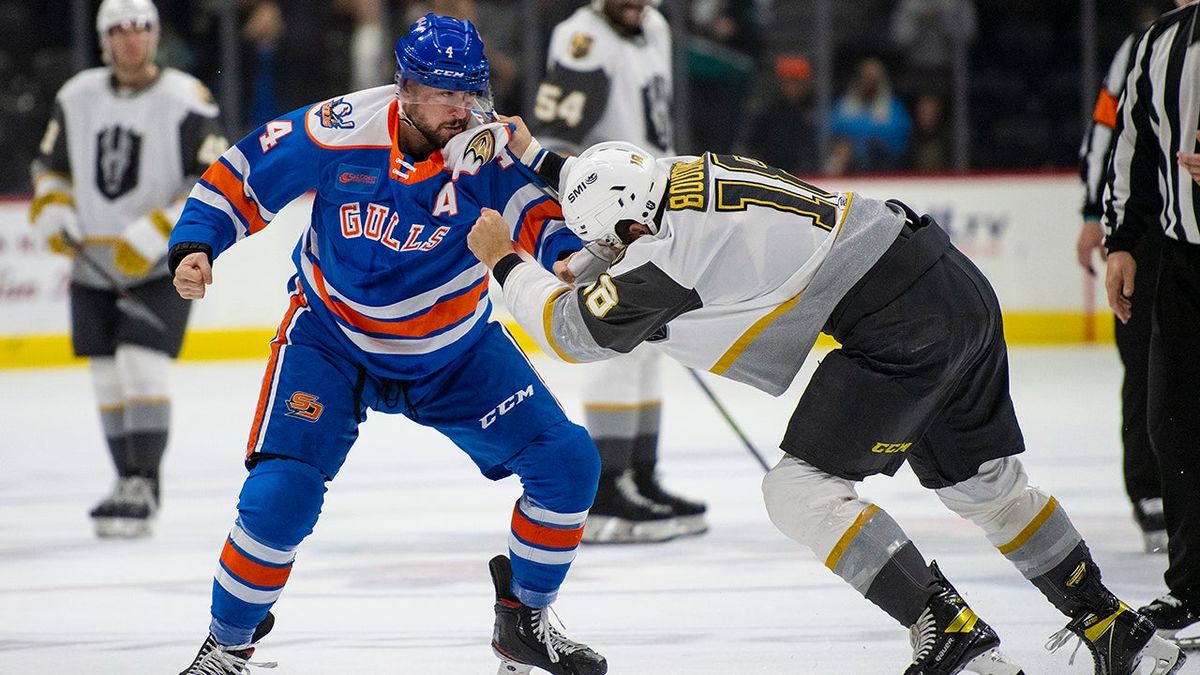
55, 221
467, 152
143, 243
588, 263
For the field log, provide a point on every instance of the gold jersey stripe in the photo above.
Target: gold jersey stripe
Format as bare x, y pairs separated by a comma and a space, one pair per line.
547, 327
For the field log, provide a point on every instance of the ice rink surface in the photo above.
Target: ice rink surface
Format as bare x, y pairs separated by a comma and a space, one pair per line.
394, 579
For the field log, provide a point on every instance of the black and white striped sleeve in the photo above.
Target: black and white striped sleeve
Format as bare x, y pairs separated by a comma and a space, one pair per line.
1098, 141
1158, 116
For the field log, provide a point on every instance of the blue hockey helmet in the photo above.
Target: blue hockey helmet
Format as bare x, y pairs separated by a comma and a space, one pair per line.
444, 53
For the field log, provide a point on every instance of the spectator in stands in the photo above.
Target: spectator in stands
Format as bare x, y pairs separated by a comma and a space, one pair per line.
928, 34
784, 131
723, 57
870, 126
929, 148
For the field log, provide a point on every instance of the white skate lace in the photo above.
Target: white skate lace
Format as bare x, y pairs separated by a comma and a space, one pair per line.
1062, 637
922, 635
222, 662
555, 641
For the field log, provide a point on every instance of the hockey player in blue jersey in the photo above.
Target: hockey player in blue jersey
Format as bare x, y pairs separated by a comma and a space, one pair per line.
389, 312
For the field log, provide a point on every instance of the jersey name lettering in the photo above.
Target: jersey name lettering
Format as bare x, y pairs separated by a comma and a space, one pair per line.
688, 189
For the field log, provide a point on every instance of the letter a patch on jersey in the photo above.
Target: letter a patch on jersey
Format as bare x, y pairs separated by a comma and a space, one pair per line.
305, 407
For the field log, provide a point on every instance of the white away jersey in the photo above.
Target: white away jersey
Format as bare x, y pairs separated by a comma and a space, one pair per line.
602, 85
747, 266
120, 155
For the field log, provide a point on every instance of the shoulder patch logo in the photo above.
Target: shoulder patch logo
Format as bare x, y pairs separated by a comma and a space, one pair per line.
483, 146
581, 45
204, 94
335, 114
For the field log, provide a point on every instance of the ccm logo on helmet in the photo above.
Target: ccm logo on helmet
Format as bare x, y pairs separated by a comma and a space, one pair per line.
574, 194
505, 406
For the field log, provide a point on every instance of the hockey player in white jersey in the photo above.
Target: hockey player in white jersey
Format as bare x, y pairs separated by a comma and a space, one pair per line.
124, 145
609, 79
734, 267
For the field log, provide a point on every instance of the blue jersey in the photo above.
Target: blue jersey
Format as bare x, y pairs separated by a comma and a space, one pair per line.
384, 261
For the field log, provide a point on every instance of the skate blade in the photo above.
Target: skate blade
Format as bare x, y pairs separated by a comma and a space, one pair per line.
612, 530
993, 662
1162, 657
123, 528
690, 526
1188, 644
510, 667
1154, 542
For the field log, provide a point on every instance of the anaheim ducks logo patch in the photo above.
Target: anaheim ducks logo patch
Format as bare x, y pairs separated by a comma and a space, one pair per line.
482, 148
581, 45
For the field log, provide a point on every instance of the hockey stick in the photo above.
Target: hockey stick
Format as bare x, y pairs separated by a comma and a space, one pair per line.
729, 419
127, 301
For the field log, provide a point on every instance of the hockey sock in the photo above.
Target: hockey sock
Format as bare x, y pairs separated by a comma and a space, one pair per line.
147, 409
903, 586
1074, 583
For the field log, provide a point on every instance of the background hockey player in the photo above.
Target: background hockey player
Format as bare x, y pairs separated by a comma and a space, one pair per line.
609, 79
389, 312
125, 143
734, 267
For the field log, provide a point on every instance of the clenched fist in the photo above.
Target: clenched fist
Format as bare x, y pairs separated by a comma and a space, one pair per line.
192, 275
489, 238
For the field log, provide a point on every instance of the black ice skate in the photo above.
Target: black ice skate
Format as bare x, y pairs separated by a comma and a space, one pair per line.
620, 515
214, 659
688, 515
1119, 638
129, 511
1171, 615
950, 638
524, 638
1149, 516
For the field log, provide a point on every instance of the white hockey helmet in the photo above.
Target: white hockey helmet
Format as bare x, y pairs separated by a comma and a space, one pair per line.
114, 13
610, 183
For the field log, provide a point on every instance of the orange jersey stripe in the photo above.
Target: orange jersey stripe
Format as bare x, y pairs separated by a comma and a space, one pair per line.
534, 221
223, 179
440, 315
1106, 109
540, 535
252, 572
264, 394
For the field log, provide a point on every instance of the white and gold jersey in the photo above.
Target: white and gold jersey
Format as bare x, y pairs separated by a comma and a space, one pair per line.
118, 155
604, 85
748, 263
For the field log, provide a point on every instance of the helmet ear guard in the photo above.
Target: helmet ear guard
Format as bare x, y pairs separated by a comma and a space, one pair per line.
608, 184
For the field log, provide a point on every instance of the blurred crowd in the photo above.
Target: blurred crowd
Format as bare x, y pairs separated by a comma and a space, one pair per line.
750, 67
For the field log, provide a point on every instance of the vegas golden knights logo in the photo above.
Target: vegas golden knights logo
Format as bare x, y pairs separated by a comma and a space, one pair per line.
580, 45
118, 152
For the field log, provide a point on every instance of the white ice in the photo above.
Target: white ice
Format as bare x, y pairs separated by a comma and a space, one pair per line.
394, 579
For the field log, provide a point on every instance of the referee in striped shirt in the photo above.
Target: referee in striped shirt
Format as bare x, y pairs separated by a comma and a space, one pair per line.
1151, 185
